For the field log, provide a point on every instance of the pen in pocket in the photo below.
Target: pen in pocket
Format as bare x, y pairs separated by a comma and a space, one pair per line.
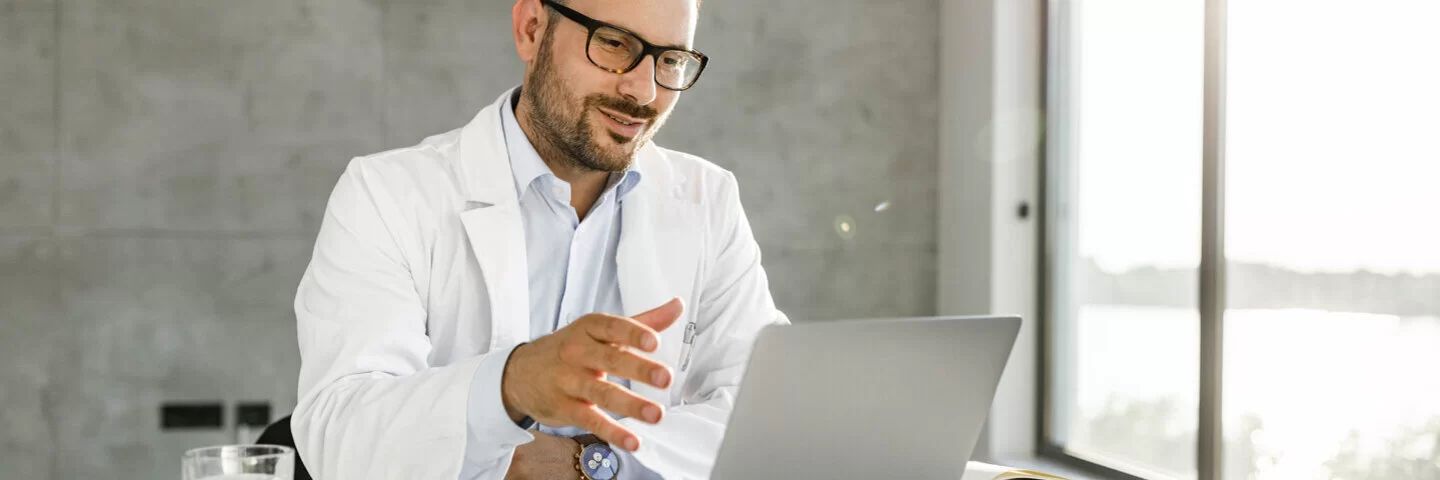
687, 346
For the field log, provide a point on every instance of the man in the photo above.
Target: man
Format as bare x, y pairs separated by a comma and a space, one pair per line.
545, 279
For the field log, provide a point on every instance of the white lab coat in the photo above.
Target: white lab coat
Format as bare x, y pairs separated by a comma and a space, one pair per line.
419, 273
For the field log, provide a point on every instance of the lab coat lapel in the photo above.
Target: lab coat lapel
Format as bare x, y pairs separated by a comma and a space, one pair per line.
650, 259
637, 257
493, 226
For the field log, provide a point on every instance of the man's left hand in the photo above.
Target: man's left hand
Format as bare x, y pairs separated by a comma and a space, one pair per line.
547, 457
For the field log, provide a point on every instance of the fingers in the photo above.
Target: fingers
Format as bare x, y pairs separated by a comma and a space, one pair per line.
617, 361
601, 425
638, 332
610, 329
612, 397
661, 317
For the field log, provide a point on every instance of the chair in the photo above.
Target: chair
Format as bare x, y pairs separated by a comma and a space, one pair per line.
278, 433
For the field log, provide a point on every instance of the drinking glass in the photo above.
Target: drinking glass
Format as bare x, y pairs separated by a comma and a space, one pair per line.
239, 462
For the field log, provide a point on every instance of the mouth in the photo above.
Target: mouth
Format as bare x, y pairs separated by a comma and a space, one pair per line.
625, 126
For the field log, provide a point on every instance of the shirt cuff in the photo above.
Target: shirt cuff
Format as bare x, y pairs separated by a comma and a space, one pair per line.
632, 469
491, 432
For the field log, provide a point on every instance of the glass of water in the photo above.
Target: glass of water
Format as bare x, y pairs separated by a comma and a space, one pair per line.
239, 462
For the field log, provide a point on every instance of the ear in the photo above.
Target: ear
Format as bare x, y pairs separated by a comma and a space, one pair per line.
529, 20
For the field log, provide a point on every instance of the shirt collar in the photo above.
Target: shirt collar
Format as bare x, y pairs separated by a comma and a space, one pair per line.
526, 164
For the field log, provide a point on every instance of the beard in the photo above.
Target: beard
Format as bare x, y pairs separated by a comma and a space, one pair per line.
565, 129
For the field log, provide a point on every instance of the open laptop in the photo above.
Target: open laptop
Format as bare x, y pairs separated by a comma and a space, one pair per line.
875, 399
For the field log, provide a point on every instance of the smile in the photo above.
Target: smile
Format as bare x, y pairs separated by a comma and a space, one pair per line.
622, 122
621, 128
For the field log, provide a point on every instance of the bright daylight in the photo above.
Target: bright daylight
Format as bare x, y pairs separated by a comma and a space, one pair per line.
720, 239
1331, 229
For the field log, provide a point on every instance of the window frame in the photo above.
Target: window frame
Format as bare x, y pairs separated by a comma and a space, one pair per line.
1059, 115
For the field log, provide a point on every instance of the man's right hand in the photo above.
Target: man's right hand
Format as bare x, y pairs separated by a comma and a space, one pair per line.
559, 379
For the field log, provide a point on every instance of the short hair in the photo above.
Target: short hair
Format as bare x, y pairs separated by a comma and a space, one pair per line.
554, 15
567, 2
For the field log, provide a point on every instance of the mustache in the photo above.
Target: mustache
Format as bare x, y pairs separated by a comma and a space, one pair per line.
622, 106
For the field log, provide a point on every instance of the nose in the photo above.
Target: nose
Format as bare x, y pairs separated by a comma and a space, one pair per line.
639, 82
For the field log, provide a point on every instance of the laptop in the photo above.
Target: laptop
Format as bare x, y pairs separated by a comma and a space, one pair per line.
874, 399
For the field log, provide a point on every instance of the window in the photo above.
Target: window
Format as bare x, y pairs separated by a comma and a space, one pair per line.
1329, 223
1332, 240
1126, 234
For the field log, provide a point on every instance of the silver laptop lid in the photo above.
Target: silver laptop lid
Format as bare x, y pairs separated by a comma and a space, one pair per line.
891, 398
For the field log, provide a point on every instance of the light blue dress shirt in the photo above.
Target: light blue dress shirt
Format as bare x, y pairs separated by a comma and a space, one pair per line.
571, 261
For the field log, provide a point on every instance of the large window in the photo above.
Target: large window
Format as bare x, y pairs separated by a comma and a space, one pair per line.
1325, 202
1125, 320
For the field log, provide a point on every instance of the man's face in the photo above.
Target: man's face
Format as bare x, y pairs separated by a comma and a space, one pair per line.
600, 119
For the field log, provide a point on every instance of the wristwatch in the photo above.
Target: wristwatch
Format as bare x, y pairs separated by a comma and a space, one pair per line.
596, 461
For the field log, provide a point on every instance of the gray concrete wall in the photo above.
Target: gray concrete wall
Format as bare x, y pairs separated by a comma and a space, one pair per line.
164, 165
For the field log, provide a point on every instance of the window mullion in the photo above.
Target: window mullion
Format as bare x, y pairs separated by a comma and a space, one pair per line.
1212, 248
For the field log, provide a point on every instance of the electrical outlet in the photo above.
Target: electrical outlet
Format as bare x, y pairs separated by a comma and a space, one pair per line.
191, 416
253, 414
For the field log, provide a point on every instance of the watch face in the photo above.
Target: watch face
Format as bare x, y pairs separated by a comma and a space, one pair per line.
599, 462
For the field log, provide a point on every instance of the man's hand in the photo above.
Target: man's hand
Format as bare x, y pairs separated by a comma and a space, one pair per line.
547, 457
559, 379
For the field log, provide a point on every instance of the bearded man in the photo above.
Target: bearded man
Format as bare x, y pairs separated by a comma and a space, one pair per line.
543, 293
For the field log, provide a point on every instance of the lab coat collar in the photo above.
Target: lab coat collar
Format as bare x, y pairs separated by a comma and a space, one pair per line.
496, 232
484, 165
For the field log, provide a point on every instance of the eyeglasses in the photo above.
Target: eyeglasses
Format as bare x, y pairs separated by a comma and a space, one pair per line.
616, 50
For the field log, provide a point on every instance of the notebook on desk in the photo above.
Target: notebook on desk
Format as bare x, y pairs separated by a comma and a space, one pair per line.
986, 471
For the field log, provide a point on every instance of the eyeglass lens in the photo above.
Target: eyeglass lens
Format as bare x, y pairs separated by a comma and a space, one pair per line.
617, 51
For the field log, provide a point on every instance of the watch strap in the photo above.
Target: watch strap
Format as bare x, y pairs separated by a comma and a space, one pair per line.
587, 440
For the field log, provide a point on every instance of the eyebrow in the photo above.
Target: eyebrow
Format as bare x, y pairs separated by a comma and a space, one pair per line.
632, 32
562, 8
672, 47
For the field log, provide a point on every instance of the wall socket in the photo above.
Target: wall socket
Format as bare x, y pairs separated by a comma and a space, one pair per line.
252, 414
211, 415
192, 416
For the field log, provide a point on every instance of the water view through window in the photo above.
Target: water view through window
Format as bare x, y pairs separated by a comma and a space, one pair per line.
1332, 238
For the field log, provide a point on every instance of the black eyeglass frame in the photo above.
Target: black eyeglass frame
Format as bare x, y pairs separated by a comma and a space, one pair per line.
650, 49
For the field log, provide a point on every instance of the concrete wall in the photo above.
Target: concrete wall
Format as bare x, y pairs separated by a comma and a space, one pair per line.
164, 165
992, 79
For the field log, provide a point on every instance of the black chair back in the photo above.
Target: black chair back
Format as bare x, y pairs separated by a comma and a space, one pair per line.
278, 433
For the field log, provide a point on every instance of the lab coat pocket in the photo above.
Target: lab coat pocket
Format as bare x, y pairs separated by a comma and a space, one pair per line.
671, 346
